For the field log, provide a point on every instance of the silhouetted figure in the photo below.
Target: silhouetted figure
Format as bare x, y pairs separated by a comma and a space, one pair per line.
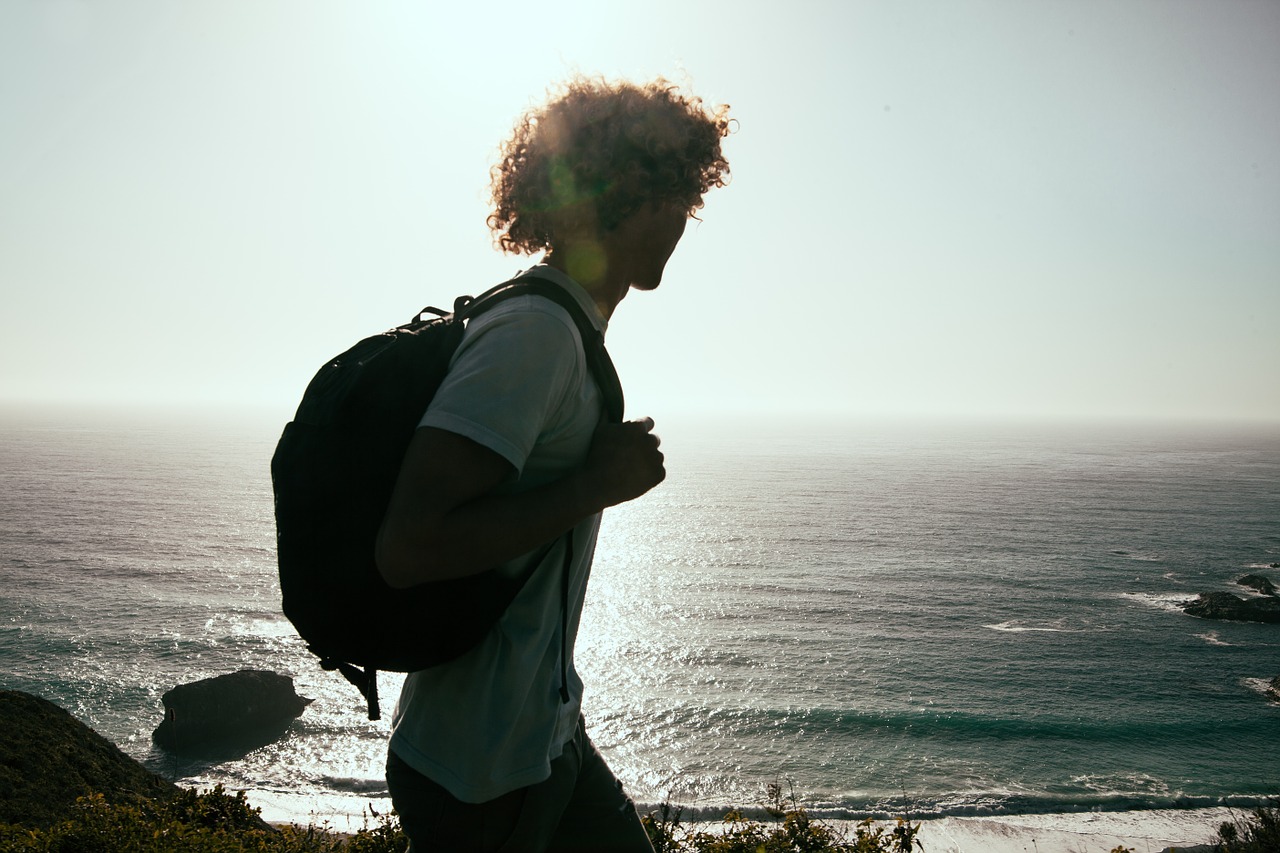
489, 752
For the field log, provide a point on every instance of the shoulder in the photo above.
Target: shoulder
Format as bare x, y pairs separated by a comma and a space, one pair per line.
530, 324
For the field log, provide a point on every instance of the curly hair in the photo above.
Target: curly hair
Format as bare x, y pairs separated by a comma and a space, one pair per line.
598, 152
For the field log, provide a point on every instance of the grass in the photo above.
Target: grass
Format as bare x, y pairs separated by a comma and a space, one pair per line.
789, 829
217, 822
1259, 832
192, 822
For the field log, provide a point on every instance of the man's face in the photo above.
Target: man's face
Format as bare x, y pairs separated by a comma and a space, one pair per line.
647, 238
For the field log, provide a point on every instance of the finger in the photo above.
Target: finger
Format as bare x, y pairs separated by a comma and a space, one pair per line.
644, 423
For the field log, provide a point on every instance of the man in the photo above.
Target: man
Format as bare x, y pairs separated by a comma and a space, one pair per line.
488, 752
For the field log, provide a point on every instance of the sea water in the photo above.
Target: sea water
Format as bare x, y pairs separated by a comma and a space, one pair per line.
884, 618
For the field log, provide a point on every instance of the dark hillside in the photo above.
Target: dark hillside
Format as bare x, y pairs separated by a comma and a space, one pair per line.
48, 758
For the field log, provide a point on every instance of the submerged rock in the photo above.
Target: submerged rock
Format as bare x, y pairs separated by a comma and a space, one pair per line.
228, 715
1258, 582
1224, 605
48, 759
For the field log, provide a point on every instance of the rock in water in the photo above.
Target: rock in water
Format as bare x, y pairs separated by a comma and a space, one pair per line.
48, 758
1224, 605
1258, 582
228, 715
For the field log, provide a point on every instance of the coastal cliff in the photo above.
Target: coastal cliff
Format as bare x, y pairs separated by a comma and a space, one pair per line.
48, 758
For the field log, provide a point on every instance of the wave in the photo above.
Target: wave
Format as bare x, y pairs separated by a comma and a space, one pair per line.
1168, 601
350, 798
978, 804
1016, 626
355, 785
1263, 686
1212, 639
1141, 558
960, 727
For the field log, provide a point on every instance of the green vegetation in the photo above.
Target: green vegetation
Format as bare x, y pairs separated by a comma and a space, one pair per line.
218, 822
191, 822
48, 758
1259, 833
789, 829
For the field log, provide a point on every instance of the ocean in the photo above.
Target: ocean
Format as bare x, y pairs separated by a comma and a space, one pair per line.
884, 618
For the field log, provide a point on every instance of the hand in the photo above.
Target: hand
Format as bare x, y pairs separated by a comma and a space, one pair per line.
624, 462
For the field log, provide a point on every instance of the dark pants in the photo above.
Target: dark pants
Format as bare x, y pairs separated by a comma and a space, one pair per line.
582, 807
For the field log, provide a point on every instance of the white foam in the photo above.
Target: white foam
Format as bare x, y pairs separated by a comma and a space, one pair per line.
1078, 832
340, 812
1015, 626
1169, 601
1212, 639
1263, 686
1083, 832
1141, 558
1124, 784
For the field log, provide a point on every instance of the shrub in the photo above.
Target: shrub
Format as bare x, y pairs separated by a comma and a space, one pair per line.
1259, 833
192, 822
789, 830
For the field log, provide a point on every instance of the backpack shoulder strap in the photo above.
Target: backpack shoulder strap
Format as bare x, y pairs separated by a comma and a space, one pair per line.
598, 361
601, 367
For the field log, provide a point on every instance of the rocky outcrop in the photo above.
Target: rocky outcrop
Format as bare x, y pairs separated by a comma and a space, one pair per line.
228, 715
48, 758
1259, 583
1224, 605
1273, 690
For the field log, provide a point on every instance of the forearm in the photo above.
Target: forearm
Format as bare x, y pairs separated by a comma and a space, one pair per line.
448, 518
482, 533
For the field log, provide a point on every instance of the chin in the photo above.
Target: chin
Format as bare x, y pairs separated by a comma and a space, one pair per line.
646, 283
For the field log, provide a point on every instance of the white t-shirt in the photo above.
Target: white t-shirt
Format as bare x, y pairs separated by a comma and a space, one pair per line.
492, 720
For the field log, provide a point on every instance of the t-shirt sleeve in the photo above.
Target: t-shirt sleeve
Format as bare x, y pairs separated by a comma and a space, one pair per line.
508, 380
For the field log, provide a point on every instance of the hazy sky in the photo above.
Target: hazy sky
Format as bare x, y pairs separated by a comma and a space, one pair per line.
976, 208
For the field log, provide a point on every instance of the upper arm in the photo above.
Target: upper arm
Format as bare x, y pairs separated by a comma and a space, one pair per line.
505, 386
509, 381
440, 472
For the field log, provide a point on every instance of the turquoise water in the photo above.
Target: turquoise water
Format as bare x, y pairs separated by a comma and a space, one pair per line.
952, 619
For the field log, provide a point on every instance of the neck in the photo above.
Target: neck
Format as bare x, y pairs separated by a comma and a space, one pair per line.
590, 268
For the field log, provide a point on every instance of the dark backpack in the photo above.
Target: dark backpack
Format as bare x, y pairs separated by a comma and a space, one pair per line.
333, 473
